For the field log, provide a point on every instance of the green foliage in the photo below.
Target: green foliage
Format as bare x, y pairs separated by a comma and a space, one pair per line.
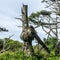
15, 56
11, 56
8, 55
37, 14
34, 17
11, 45
44, 12
15, 53
51, 42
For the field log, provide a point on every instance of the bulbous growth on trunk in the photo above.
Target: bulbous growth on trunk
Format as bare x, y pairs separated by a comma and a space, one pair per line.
27, 34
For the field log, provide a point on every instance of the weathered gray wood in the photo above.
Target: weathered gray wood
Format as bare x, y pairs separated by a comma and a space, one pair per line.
26, 35
24, 16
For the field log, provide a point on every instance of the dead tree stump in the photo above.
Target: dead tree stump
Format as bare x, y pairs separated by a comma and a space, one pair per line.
26, 34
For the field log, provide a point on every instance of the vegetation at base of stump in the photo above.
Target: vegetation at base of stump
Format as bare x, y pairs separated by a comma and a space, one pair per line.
15, 51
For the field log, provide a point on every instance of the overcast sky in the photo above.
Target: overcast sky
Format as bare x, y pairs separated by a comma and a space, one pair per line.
9, 9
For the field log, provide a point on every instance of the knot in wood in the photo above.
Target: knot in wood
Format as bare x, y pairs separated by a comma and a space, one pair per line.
27, 34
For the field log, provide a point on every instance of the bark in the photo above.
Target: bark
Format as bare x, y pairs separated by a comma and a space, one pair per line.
26, 32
